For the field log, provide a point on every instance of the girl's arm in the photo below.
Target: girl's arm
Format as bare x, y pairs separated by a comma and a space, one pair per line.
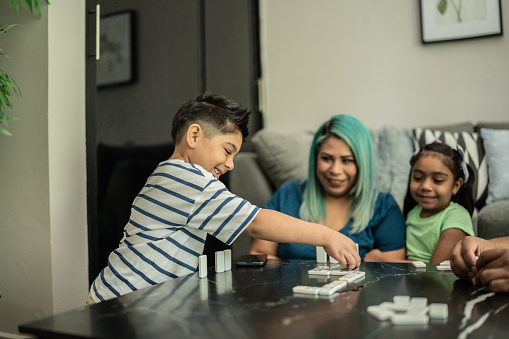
448, 239
259, 246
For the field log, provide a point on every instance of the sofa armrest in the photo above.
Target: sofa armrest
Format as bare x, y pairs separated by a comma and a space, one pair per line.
493, 220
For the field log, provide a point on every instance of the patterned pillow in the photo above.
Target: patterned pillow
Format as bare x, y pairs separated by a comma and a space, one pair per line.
474, 155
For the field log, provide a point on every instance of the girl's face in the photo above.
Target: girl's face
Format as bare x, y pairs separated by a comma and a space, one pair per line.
336, 168
432, 184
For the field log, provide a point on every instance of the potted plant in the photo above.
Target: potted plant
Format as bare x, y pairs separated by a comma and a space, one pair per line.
8, 87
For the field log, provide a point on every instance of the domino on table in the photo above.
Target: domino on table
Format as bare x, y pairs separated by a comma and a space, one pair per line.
408, 311
227, 260
219, 261
320, 270
353, 276
444, 266
202, 266
321, 256
418, 264
332, 287
301, 289
438, 311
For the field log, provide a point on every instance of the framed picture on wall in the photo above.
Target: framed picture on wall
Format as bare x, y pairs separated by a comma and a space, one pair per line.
446, 20
115, 65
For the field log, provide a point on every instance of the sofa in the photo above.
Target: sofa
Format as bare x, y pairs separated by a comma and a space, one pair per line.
269, 159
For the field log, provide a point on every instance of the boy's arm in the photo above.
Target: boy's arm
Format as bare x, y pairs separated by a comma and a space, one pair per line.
281, 228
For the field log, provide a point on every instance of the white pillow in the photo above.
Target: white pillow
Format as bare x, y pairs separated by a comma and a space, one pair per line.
496, 146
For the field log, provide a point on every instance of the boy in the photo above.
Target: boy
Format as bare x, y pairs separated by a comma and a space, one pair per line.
183, 200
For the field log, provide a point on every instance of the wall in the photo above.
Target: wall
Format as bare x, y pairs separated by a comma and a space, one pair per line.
42, 198
366, 58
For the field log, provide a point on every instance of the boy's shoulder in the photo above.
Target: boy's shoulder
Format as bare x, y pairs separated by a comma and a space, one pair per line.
181, 168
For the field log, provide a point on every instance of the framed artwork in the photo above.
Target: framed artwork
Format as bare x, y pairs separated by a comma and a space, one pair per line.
115, 64
446, 20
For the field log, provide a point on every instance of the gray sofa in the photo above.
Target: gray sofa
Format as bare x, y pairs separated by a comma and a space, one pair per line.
270, 159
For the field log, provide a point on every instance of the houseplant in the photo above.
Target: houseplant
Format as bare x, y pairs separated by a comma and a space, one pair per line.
8, 87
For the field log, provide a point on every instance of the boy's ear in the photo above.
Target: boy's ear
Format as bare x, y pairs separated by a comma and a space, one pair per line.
194, 132
456, 186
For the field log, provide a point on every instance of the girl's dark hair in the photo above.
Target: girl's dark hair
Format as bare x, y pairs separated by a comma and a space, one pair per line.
453, 160
223, 115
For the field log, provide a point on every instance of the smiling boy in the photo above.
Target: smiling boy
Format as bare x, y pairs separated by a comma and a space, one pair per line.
183, 201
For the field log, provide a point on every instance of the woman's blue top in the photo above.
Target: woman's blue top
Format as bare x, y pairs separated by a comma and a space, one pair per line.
385, 231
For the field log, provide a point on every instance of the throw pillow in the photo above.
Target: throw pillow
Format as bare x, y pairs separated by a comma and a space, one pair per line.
474, 155
284, 156
496, 145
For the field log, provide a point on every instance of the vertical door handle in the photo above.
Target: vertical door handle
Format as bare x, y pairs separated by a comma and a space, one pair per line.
97, 32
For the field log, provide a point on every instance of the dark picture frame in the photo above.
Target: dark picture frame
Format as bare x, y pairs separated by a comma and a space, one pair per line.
115, 65
447, 20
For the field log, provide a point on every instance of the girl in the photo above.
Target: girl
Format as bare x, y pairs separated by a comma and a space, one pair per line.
439, 202
340, 193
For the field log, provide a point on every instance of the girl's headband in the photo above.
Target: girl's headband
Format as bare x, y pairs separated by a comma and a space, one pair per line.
463, 164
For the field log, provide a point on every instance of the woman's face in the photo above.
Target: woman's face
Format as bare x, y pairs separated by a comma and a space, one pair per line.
336, 167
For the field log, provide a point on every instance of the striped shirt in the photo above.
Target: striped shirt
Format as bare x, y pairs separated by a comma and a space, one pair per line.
170, 218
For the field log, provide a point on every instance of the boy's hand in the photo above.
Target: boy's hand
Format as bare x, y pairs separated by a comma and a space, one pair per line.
493, 270
342, 249
463, 256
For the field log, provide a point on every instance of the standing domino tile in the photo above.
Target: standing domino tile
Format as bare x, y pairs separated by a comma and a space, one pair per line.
202, 266
321, 256
332, 260
227, 260
219, 261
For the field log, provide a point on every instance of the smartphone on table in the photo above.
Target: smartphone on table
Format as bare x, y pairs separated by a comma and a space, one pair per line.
251, 260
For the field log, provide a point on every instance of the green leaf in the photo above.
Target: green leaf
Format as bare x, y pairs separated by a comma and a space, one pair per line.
5, 132
442, 6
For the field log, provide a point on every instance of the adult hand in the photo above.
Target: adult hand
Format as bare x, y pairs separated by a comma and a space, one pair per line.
464, 253
493, 270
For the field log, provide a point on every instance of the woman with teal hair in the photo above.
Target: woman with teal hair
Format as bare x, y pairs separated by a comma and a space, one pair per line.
340, 193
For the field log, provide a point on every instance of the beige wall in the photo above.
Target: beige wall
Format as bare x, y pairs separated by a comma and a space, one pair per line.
43, 229
365, 58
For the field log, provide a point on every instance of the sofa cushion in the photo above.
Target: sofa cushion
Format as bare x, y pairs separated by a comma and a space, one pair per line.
283, 156
492, 220
474, 155
496, 145
491, 125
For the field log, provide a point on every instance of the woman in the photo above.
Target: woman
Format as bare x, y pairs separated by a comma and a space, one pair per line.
339, 193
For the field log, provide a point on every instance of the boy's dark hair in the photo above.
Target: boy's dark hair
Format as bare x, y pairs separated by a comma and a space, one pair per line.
215, 113
453, 160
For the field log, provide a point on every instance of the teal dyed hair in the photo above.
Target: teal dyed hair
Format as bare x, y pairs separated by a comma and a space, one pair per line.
355, 134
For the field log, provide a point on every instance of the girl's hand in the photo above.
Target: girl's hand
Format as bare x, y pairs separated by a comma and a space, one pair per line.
343, 249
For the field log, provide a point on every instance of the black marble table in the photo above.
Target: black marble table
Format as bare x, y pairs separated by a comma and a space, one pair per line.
250, 302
